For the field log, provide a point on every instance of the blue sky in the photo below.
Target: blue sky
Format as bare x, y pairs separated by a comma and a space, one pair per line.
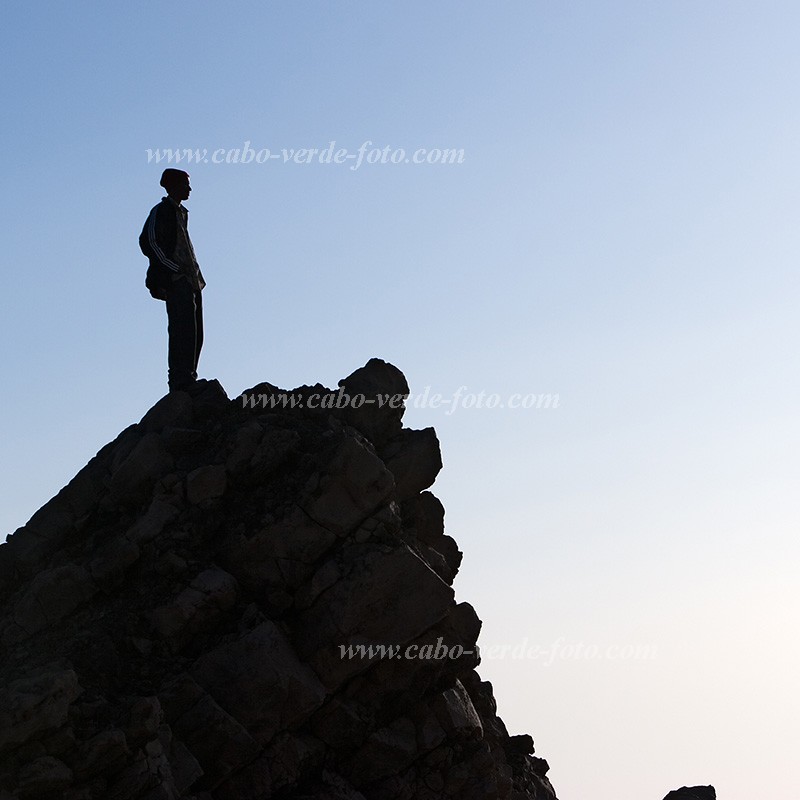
622, 232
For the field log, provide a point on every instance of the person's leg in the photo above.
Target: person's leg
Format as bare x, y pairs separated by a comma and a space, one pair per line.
198, 329
182, 334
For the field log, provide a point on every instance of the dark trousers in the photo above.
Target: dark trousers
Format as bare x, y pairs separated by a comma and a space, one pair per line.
185, 327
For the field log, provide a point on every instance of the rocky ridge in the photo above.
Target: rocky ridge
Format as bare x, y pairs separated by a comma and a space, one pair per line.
176, 621
693, 793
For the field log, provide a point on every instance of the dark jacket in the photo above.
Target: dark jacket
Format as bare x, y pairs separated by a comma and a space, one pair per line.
165, 241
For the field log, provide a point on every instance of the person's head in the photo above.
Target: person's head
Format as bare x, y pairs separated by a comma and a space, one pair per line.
176, 182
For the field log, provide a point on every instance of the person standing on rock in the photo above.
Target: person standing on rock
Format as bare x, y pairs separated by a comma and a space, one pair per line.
174, 276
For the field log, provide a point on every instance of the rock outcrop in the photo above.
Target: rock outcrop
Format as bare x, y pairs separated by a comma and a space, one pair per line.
245, 599
693, 793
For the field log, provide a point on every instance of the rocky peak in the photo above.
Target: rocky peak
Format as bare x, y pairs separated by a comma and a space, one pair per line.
693, 793
250, 598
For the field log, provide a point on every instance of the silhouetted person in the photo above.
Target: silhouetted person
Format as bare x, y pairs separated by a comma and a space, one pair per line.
174, 275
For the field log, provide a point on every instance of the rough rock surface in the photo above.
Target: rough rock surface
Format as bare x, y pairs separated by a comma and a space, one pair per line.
183, 620
693, 793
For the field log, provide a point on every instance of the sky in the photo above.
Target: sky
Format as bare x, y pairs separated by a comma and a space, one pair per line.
619, 232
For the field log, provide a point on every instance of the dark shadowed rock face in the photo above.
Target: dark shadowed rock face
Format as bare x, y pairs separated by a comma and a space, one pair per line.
693, 793
205, 612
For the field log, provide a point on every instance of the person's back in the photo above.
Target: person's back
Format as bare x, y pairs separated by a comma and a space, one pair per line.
174, 276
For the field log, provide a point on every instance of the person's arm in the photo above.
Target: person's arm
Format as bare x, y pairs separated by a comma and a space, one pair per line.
161, 231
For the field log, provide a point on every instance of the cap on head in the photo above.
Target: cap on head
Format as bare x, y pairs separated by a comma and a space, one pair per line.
172, 177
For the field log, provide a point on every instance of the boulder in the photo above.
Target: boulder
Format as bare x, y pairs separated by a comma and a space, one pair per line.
414, 459
693, 793
205, 483
352, 487
376, 394
31, 706
135, 477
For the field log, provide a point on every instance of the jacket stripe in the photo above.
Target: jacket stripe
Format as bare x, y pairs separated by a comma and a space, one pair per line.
151, 237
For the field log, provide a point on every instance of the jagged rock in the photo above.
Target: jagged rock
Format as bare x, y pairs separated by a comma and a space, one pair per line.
147, 527
44, 775
414, 459
196, 608
374, 582
172, 410
293, 542
52, 595
260, 681
104, 752
693, 793
457, 715
146, 717
386, 752
46, 531
29, 706
216, 741
205, 483
423, 516
136, 475
354, 485
113, 559
292, 757
383, 388
237, 600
